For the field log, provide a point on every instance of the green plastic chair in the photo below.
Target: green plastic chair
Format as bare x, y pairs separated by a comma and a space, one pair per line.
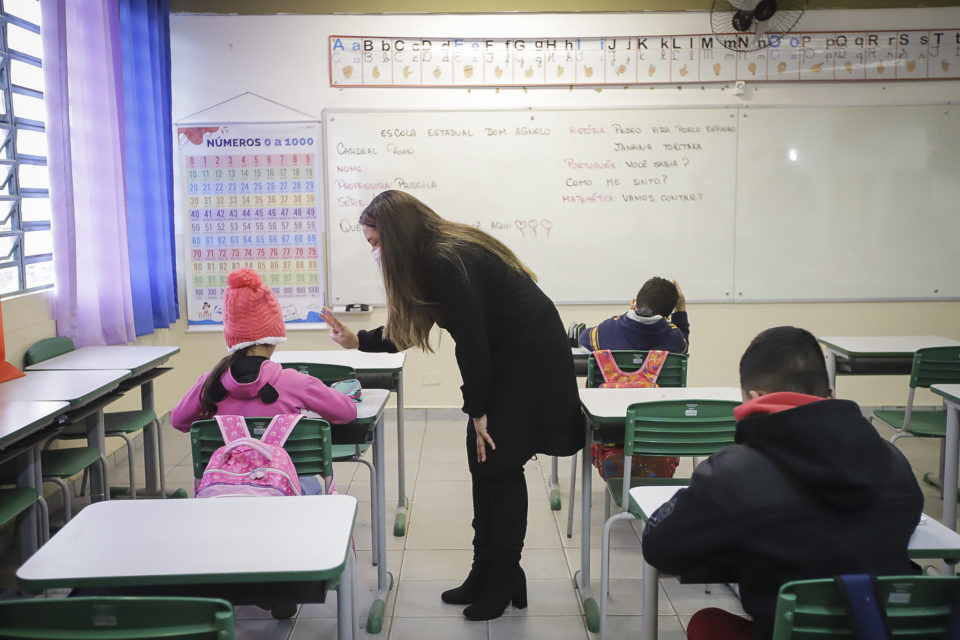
308, 445
672, 374
116, 617
917, 607
682, 428
120, 424
15, 500
934, 365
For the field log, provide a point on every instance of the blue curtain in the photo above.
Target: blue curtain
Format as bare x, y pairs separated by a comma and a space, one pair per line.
148, 162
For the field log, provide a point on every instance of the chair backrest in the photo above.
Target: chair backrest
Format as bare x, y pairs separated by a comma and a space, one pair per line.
326, 373
935, 365
103, 617
46, 349
673, 373
917, 607
679, 427
574, 331
309, 445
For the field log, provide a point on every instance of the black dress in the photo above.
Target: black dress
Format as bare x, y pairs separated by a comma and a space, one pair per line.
513, 354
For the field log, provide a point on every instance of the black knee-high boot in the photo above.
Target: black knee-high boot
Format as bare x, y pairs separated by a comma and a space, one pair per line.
505, 581
467, 592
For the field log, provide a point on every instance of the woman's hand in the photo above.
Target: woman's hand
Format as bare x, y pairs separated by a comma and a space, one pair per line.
339, 332
483, 438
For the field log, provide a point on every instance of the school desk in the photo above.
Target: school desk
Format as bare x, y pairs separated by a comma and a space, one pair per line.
20, 421
951, 450
605, 411
930, 540
374, 371
144, 362
876, 355
77, 389
249, 550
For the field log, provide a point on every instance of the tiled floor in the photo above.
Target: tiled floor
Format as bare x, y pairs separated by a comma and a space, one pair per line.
435, 554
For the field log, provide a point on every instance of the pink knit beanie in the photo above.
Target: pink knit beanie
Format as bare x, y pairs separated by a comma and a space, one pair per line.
251, 312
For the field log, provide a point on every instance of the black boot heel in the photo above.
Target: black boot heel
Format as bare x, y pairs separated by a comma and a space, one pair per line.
499, 591
520, 598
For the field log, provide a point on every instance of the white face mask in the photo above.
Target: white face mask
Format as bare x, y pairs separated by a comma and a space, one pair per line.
376, 256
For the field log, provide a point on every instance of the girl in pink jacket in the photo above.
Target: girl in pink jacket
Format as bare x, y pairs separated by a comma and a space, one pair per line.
246, 382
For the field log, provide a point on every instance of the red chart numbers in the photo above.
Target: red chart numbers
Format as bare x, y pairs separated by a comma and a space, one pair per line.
253, 210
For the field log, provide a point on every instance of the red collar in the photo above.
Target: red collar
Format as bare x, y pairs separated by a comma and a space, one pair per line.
772, 403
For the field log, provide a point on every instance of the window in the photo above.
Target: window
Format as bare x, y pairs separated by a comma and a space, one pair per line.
26, 243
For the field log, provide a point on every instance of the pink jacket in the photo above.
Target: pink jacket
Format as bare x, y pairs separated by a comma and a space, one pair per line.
298, 392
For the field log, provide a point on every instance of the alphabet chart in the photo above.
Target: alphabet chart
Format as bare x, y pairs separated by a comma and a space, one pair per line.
251, 194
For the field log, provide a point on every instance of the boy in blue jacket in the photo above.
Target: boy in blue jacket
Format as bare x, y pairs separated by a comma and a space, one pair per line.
809, 490
657, 319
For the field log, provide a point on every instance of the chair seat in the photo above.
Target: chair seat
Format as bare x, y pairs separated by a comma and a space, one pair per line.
342, 452
923, 423
128, 421
15, 501
63, 463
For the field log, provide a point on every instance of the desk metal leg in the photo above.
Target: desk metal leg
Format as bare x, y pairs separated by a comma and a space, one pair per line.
375, 617
95, 439
554, 484
29, 476
400, 522
651, 580
152, 445
950, 464
581, 580
346, 608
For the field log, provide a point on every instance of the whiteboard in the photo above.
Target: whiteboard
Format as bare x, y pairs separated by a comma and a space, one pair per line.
841, 203
736, 203
593, 201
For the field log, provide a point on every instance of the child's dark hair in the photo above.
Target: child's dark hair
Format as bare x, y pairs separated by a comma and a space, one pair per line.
657, 297
785, 359
213, 390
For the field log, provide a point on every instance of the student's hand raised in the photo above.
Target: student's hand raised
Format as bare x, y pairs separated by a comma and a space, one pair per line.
681, 300
339, 332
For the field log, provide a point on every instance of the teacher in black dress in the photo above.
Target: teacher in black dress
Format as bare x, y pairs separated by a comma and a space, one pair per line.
519, 387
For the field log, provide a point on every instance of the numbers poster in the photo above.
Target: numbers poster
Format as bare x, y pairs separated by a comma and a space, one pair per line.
251, 196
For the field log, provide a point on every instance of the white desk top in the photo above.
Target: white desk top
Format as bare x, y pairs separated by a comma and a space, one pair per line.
372, 403
74, 387
613, 403
929, 540
949, 391
359, 360
884, 345
119, 356
17, 417
137, 542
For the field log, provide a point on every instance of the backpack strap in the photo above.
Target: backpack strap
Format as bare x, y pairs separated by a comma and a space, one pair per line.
652, 365
232, 428
280, 428
867, 617
608, 366
645, 376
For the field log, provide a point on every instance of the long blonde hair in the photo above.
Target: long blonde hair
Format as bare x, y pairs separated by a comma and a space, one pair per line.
410, 233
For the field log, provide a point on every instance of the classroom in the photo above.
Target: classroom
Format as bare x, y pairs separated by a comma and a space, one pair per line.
604, 143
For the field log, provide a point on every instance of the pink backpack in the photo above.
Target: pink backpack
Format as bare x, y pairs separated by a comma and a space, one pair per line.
245, 466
